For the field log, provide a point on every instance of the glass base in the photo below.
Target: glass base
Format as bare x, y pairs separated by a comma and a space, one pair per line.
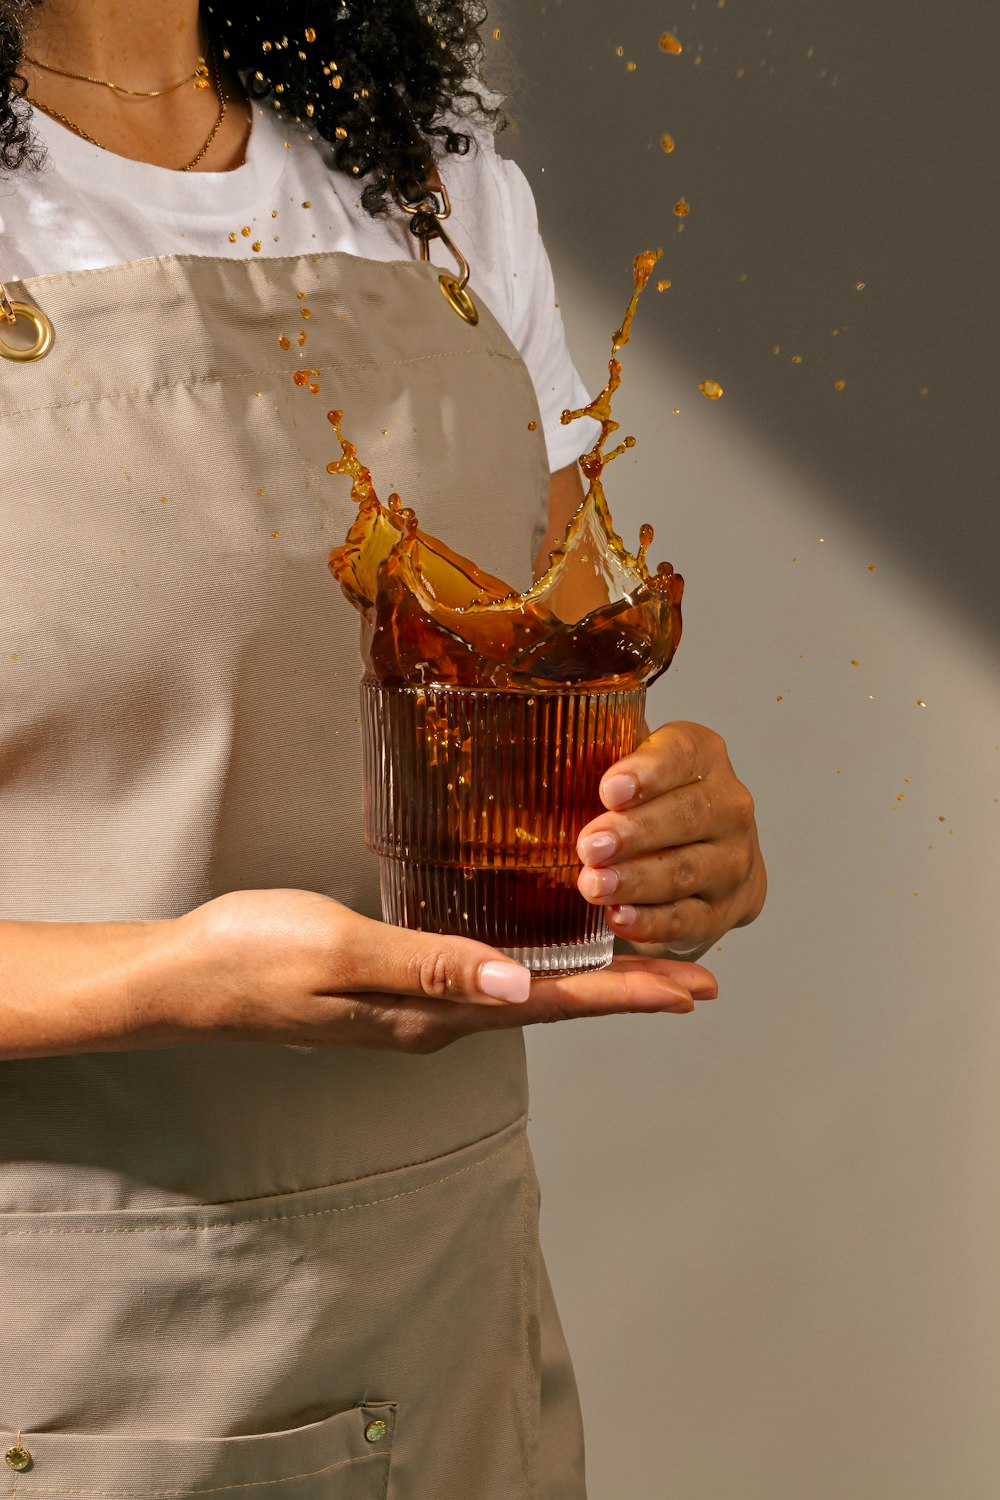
536, 917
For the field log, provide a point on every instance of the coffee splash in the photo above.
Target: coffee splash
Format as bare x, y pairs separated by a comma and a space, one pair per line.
597, 616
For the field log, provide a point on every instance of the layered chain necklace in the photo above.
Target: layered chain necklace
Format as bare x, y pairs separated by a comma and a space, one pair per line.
202, 78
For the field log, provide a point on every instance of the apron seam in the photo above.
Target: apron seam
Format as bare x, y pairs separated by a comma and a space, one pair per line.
222, 1489
311, 257
197, 380
318, 1213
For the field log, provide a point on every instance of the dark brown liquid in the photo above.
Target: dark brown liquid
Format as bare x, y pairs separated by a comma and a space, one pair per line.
475, 799
484, 795
597, 617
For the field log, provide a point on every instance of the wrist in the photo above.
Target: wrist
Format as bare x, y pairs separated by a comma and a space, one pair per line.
124, 991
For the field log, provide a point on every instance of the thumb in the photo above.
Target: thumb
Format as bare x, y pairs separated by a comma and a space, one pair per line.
434, 966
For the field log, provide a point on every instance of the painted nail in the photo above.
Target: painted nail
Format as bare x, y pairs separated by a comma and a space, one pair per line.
623, 916
600, 882
597, 847
505, 981
619, 791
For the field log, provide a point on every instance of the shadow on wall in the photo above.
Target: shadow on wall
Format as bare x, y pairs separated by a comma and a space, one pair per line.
834, 160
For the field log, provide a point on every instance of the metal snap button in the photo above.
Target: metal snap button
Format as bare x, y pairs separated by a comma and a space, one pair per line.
376, 1431
17, 1458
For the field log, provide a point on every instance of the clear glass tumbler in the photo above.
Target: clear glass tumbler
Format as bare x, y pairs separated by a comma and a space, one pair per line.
474, 800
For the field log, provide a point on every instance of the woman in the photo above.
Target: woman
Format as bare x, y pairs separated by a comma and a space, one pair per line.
268, 1213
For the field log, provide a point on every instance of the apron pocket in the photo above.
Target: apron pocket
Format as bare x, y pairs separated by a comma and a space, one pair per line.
345, 1457
217, 1323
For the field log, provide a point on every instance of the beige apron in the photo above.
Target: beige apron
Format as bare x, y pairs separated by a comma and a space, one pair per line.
244, 1268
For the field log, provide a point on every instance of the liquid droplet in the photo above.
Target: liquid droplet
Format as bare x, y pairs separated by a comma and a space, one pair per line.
668, 143
670, 44
284, 342
246, 231
532, 426
840, 385
682, 208
711, 388
309, 34
664, 286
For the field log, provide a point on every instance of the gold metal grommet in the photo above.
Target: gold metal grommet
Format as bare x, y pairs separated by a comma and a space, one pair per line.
17, 1458
459, 299
44, 334
376, 1431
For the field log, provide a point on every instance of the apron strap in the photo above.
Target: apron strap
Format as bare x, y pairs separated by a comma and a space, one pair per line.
426, 214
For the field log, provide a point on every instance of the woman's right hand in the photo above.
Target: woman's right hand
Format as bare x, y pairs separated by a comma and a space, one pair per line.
295, 967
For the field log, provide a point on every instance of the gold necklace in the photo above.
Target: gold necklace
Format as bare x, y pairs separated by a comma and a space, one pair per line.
213, 78
199, 79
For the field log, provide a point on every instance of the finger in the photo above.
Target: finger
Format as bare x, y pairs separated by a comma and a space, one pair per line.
673, 756
666, 875
688, 924
375, 957
716, 809
699, 982
629, 987
632, 985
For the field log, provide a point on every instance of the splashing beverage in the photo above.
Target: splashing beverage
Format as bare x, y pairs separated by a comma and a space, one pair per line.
489, 716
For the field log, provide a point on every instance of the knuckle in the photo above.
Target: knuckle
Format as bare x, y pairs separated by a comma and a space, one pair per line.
745, 864
717, 746
658, 924
555, 1012
673, 922
687, 754
744, 806
430, 973
684, 874
417, 1033
690, 810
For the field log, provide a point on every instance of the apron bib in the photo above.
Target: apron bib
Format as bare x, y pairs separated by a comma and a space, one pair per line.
240, 1267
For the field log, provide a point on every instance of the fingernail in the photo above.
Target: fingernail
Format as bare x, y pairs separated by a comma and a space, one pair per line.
505, 981
599, 882
619, 791
597, 847
623, 916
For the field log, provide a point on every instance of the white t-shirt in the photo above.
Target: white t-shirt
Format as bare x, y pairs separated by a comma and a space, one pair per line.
89, 209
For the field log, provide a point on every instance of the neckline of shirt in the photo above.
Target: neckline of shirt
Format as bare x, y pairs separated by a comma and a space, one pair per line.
163, 190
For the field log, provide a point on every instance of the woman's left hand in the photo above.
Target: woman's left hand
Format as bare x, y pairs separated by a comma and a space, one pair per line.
675, 859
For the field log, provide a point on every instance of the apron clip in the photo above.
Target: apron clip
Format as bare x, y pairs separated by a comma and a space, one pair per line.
425, 223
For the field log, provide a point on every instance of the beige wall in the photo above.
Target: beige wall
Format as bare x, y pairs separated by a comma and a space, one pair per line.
774, 1227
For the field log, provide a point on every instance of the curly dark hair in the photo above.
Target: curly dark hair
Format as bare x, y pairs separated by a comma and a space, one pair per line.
384, 81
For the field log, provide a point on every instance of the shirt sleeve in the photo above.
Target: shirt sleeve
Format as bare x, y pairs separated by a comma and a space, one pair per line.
535, 323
